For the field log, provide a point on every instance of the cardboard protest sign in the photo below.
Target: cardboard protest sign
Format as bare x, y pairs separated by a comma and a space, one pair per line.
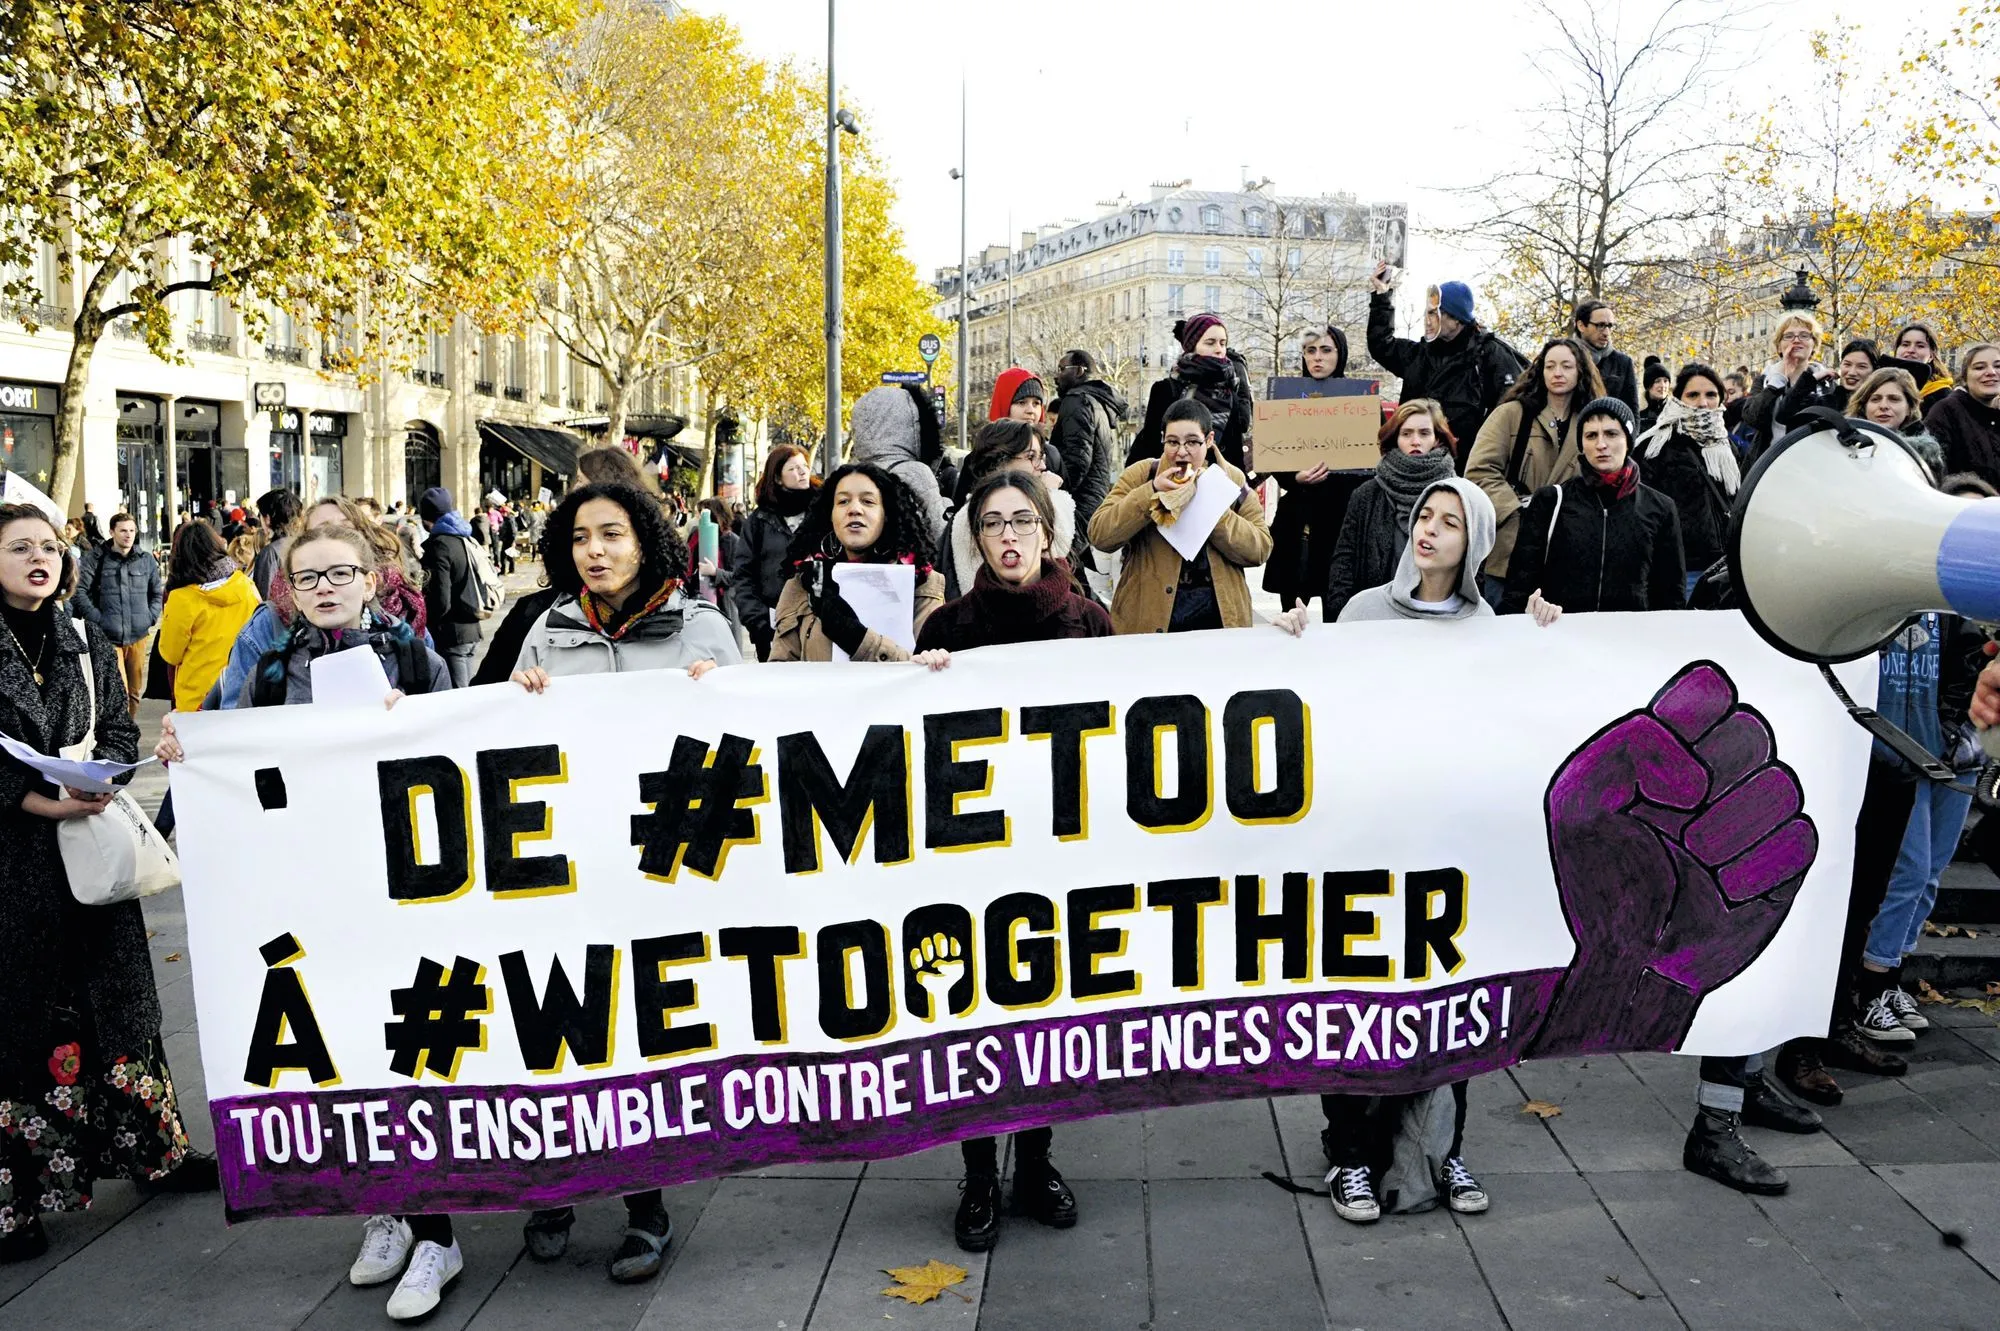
1295, 434
493, 950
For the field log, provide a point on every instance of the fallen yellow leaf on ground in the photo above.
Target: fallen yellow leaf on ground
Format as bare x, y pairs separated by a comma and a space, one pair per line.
921, 1284
1926, 994
1542, 1108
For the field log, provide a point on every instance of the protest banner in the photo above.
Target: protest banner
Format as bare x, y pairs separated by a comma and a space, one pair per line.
495, 950
1295, 434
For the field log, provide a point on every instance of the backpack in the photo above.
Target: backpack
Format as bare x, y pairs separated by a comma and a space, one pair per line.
488, 591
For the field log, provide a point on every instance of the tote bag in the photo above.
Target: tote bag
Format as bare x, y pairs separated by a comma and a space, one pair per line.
117, 855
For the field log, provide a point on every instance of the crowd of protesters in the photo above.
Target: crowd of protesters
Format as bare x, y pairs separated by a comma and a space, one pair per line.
1563, 482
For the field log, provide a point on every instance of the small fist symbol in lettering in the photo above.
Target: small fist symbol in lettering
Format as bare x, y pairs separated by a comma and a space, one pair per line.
937, 962
1678, 842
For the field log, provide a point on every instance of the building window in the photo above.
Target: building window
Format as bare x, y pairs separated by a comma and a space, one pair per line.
1174, 216
1176, 300
1128, 303
1211, 217
1254, 219
1253, 262
1176, 259
1211, 299
1211, 260
1253, 303
1142, 302
1294, 259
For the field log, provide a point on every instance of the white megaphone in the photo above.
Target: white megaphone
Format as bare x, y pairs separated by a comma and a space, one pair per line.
1839, 537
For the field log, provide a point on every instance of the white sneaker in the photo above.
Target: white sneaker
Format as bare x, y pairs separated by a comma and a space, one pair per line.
385, 1246
1461, 1190
1353, 1193
1906, 1009
1879, 1023
432, 1267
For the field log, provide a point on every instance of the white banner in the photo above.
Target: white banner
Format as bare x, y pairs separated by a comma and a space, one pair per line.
492, 950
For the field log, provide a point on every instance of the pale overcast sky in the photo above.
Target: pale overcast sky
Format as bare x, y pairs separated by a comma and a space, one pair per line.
1072, 101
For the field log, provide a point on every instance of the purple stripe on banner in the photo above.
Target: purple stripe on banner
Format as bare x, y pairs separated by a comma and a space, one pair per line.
1968, 562
440, 1148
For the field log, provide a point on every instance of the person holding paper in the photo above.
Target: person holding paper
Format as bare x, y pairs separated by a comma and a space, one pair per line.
1312, 504
1164, 589
81, 1061
862, 515
1023, 591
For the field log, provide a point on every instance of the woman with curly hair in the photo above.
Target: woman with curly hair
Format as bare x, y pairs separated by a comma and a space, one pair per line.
862, 515
620, 606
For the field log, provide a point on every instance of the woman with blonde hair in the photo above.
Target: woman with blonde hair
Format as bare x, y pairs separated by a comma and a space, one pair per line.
1797, 343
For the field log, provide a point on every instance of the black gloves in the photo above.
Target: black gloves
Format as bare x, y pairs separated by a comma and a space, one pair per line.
837, 619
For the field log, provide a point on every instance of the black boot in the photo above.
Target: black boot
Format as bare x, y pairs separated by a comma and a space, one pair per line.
197, 1172
1716, 1151
977, 1225
1765, 1106
1848, 1049
1041, 1194
1800, 1069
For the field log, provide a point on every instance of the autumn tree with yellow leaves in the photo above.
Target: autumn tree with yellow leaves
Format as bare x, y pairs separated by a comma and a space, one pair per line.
322, 155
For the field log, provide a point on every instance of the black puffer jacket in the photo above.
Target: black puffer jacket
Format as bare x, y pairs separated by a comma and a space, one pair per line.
1969, 432
121, 594
1703, 509
1227, 398
1466, 375
1605, 553
760, 579
1086, 438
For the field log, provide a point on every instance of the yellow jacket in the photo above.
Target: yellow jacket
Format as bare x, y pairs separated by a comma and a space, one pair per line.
198, 628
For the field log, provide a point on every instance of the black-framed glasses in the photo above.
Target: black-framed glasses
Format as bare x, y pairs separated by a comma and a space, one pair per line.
1024, 524
340, 575
1606, 327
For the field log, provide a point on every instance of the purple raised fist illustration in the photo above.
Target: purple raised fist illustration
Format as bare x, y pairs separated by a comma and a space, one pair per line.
1678, 844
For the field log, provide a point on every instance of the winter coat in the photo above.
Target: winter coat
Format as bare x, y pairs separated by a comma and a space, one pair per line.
451, 598
1546, 461
1699, 502
54, 952
1085, 434
1305, 532
959, 558
1605, 553
889, 430
269, 561
504, 647
993, 613
800, 637
1620, 379
1396, 599
1466, 375
681, 632
1150, 578
198, 629
1370, 546
767, 536
392, 641
1227, 398
1969, 432
1775, 409
122, 594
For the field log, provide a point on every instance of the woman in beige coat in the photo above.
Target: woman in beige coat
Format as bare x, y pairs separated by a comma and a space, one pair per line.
862, 515
1530, 442
1158, 591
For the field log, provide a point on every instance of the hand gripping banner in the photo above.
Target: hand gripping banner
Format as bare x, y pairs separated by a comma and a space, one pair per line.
490, 950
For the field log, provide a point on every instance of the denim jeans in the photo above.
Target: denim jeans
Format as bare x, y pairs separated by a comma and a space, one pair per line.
1936, 819
1692, 579
1722, 1081
458, 660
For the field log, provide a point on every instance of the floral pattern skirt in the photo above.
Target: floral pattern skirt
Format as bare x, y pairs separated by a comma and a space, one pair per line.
85, 1120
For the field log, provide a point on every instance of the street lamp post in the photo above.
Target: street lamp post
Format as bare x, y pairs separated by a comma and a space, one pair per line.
837, 119
964, 281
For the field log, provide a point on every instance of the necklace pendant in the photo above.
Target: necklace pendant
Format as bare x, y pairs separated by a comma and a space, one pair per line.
38, 679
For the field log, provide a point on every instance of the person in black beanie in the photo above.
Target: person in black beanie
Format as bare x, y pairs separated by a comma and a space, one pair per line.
1211, 373
1656, 381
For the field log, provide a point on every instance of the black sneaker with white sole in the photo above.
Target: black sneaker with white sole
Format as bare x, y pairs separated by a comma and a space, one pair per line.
1353, 1190
1879, 1023
1906, 1009
1461, 1190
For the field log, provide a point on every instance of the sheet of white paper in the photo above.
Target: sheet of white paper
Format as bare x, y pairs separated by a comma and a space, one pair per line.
1213, 494
353, 678
884, 597
90, 774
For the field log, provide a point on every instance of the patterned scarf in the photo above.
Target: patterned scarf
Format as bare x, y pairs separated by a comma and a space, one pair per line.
613, 623
1705, 428
1623, 483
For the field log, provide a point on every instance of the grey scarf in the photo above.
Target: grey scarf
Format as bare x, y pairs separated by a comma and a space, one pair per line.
1404, 477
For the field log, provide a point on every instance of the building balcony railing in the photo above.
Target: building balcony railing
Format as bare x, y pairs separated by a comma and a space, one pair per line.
602, 406
286, 355
550, 400
220, 344
417, 375
515, 393
483, 387
436, 378
37, 312
126, 329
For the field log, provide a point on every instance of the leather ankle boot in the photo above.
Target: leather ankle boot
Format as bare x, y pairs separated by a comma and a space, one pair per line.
1802, 1072
1715, 1151
1764, 1106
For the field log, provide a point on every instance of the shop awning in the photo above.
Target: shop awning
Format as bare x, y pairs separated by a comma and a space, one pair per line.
660, 426
555, 449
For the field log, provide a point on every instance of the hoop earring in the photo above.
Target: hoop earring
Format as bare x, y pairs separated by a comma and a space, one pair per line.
830, 546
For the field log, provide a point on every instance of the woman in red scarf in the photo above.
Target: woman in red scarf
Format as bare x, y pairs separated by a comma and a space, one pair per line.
1600, 540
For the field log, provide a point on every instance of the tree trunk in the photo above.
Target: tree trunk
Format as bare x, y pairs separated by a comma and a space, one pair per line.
614, 422
69, 424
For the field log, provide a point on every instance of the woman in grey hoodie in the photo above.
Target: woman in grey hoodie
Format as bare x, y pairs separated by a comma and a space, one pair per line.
1414, 1143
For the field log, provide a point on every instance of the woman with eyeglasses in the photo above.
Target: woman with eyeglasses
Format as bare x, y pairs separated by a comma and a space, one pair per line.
335, 585
1797, 341
85, 1093
1023, 592
1001, 444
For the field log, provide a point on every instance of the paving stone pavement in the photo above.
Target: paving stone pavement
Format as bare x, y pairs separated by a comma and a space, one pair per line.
1593, 1224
